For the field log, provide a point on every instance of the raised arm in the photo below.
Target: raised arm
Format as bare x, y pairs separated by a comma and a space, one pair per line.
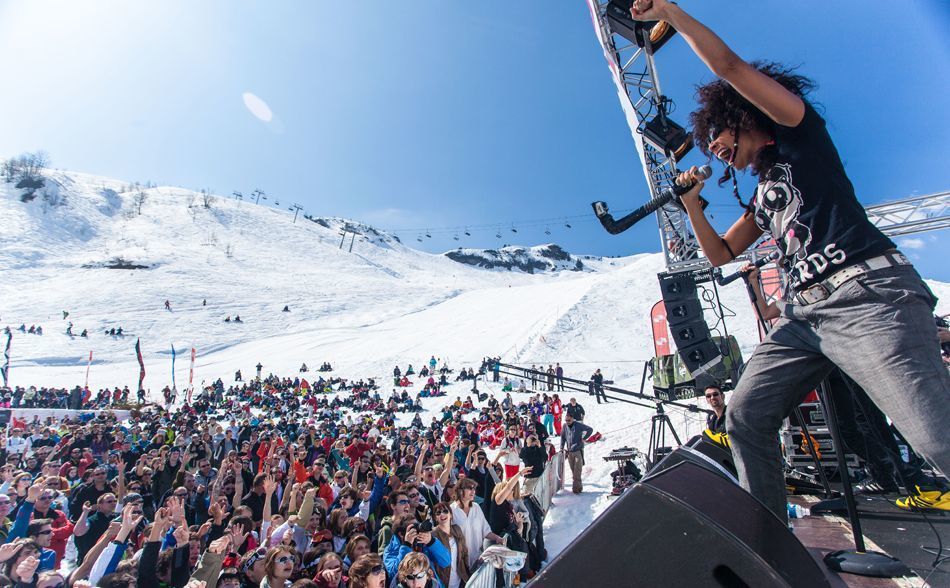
448, 463
306, 507
238, 485
780, 105
120, 483
92, 556
420, 462
508, 486
270, 486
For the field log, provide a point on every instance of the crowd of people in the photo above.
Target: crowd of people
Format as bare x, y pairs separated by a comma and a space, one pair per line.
276, 482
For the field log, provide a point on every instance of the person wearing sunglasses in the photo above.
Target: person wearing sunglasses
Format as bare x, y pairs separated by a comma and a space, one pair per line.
367, 572
716, 421
399, 504
470, 517
415, 572
252, 567
453, 538
41, 531
278, 567
839, 265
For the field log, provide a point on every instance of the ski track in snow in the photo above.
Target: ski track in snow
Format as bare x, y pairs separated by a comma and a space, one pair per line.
366, 311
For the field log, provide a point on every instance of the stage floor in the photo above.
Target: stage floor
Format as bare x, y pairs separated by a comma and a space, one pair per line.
886, 528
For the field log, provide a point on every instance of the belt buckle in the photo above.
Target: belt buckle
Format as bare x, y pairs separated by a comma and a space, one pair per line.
820, 293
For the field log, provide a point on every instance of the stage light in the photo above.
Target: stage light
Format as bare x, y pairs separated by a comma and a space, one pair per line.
621, 23
666, 136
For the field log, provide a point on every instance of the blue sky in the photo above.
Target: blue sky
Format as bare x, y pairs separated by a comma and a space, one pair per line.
429, 114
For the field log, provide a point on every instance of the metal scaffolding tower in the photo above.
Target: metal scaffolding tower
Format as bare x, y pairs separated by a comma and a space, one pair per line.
635, 74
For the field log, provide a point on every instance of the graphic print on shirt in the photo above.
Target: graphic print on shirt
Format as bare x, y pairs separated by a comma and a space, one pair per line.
778, 204
778, 209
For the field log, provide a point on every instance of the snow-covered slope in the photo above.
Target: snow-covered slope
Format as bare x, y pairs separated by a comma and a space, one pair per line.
541, 258
364, 311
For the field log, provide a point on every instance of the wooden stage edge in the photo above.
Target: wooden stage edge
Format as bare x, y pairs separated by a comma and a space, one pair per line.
822, 534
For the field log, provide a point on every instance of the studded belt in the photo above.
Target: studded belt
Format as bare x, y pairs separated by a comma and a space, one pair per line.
822, 290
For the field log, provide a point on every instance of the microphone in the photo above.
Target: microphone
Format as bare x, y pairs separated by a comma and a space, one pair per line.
614, 227
722, 281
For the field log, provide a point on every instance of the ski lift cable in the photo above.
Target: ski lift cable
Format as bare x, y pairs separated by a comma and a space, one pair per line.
567, 222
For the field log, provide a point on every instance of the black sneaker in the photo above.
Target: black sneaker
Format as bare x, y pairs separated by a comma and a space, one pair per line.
872, 486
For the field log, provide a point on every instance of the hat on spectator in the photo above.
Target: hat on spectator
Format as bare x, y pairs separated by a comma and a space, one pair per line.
131, 497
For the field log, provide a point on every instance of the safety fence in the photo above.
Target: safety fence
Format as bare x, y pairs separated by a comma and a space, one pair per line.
549, 483
498, 566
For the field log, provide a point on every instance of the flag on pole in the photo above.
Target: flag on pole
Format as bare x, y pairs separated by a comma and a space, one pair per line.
138, 354
661, 333
191, 375
173, 368
6, 359
88, 365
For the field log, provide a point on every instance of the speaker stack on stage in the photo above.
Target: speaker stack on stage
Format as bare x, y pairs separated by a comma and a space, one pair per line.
700, 358
687, 523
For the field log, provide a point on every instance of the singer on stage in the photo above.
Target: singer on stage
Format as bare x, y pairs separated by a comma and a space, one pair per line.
856, 302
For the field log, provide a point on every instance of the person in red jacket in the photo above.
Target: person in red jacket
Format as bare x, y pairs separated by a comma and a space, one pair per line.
355, 450
556, 410
320, 481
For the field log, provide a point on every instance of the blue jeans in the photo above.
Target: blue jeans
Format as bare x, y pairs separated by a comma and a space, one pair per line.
879, 329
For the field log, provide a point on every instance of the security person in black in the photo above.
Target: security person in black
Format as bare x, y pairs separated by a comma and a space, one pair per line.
597, 382
716, 421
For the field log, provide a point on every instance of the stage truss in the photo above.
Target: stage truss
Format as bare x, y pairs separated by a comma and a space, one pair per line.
634, 72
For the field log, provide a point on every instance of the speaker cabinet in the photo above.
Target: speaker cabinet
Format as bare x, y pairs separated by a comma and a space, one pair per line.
685, 525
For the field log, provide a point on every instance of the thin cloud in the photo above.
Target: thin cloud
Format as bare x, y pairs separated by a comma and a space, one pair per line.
257, 107
912, 243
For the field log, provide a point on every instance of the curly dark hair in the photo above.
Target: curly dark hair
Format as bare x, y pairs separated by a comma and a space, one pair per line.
722, 107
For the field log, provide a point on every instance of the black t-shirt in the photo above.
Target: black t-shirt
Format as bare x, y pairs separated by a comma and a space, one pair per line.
536, 457
807, 203
716, 424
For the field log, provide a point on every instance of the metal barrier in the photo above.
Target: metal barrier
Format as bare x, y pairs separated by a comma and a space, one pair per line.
487, 575
549, 483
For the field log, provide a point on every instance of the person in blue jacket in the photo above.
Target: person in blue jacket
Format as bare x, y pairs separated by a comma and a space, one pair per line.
39, 531
406, 539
